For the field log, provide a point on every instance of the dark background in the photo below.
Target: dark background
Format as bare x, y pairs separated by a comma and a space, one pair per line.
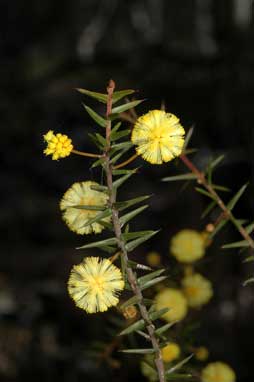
197, 57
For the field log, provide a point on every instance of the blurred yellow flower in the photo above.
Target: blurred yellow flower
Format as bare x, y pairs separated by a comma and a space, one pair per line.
197, 290
159, 136
59, 145
201, 353
94, 284
130, 312
187, 246
173, 299
81, 194
170, 352
153, 259
218, 372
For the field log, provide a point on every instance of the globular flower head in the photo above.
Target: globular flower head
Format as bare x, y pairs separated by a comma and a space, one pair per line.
197, 290
188, 246
153, 259
173, 299
81, 194
201, 353
170, 352
59, 145
94, 284
218, 372
159, 136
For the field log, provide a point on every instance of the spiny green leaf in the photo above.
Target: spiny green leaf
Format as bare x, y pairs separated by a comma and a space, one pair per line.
249, 228
164, 328
218, 227
188, 137
179, 365
208, 209
121, 94
99, 188
133, 244
116, 157
101, 243
98, 96
220, 188
90, 208
188, 176
131, 301
98, 217
119, 146
98, 162
138, 325
130, 215
101, 139
216, 161
120, 134
96, 117
95, 140
249, 281
150, 276
117, 183
133, 235
115, 128
135, 265
153, 282
131, 202
249, 259
120, 172
126, 106
159, 313
235, 198
236, 244
138, 351
204, 192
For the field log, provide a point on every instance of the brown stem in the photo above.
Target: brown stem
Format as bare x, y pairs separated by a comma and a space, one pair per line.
121, 244
131, 159
227, 213
84, 154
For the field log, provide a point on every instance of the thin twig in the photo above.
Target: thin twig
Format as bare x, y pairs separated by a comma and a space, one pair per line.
129, 160
227, 213
121, 244
84, 154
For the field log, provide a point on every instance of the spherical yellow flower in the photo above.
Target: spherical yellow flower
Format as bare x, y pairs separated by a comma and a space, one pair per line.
170, 352
130, 312
81, 194
201, 353
188, 246
59, 145
173, 299
197, 290
218, 372
159, 136
153, 259
94, 284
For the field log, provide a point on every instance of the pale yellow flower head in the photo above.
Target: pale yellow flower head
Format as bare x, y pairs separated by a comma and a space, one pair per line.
59, 145
173, 299
81, 194
188, 246
94, 284
197, 290
201, 353
153, 259
170, 352
218, 372
159, 136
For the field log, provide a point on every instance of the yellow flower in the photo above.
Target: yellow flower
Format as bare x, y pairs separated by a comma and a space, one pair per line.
218, 372
59, 145
201, 353
170, 352
197, 290
130, 312
94, 284
187, 246
159, 136
81, 194
173, 299
153, 259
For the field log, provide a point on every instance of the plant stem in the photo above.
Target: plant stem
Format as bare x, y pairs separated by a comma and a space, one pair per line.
227, 213
84, 154
129, 160
121, 244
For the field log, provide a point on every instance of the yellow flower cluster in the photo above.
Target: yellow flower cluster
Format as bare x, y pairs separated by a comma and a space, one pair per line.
173, 299
153, 259
188, 246
159, 136
197, 290
218, 372
81, 194
59, 145
170, 352
94, 284
201, 353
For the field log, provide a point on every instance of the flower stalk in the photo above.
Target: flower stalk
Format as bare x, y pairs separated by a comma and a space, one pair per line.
132, 279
